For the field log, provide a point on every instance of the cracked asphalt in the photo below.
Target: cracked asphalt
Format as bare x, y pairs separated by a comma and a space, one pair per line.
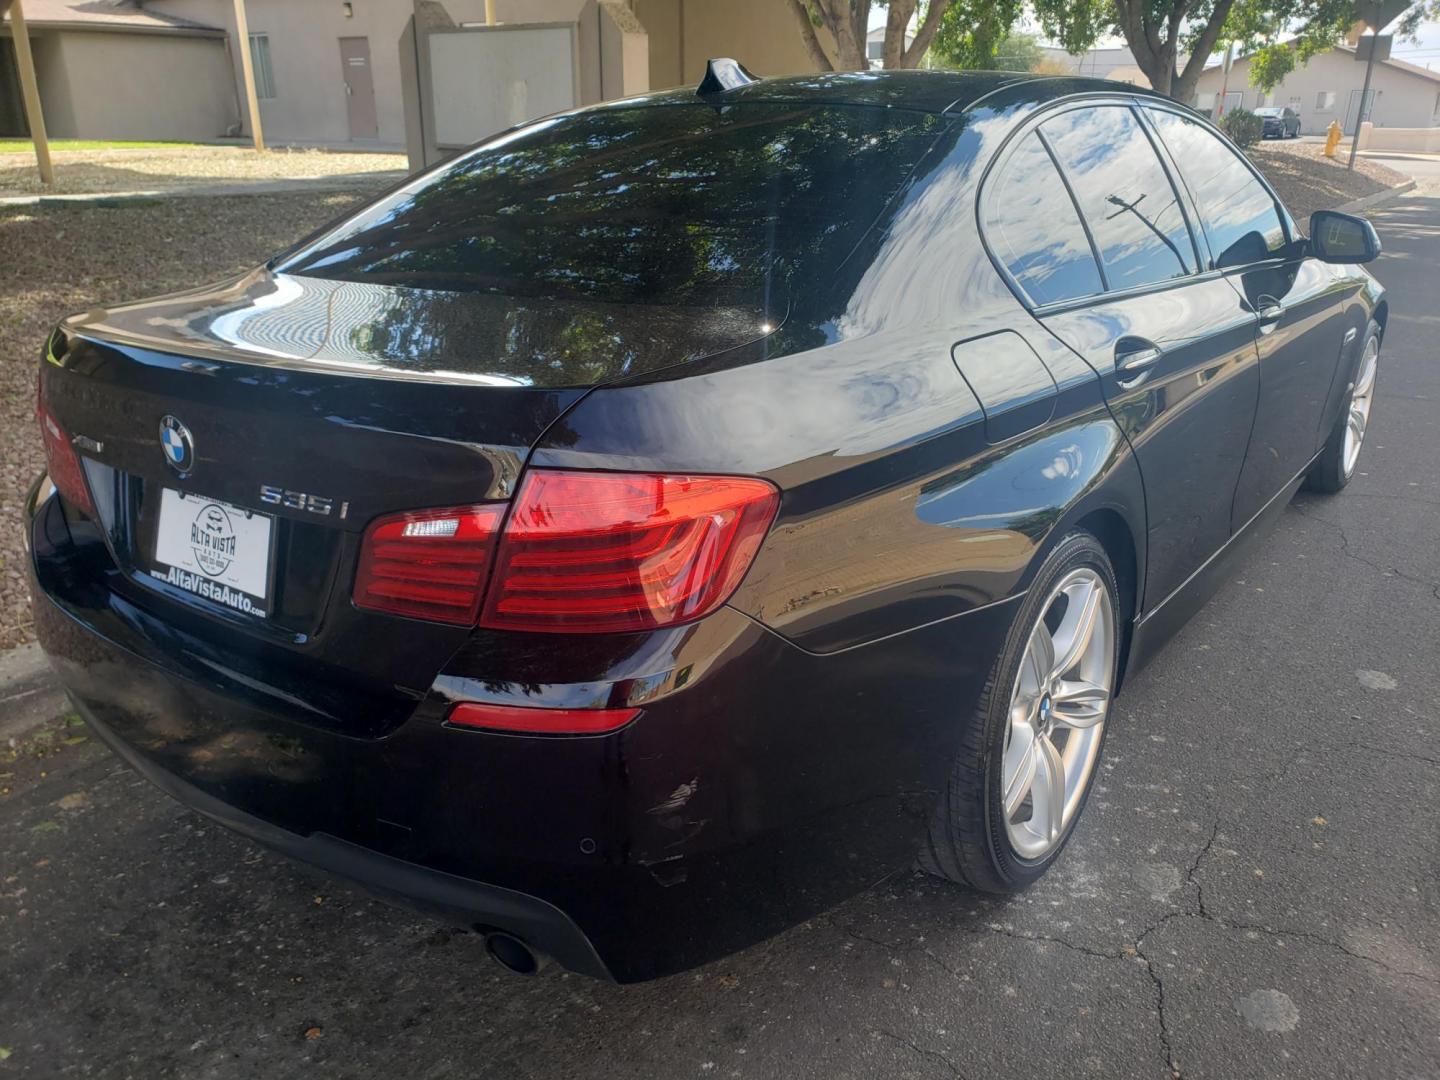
1253, 891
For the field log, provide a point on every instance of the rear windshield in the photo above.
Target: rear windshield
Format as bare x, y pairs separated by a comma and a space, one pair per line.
686, 205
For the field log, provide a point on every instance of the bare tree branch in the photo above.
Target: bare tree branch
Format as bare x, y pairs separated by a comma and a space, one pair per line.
1204, 46
934, 12
813, 47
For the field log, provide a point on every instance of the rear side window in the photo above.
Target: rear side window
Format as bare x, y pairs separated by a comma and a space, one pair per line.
1125, 195
1239, 215
1032, 226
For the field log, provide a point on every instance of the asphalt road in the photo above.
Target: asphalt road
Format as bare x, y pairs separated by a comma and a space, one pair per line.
1254, 890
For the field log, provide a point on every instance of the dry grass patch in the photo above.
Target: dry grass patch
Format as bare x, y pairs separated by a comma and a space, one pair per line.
178, 167
1307, 180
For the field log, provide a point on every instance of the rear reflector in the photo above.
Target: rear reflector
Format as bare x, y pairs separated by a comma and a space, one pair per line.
61, 461
601, 551
532, 721
428, 564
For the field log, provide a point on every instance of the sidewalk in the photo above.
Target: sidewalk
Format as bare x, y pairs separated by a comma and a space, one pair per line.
29, 695
311, 185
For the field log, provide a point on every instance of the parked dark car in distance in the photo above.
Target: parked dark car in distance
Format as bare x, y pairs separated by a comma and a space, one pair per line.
1280, 122
667, 518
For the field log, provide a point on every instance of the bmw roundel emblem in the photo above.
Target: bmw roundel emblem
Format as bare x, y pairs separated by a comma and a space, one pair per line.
176, 442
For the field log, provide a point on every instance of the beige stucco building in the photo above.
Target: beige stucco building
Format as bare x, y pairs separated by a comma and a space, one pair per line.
330, 71
119, 71
1328, 88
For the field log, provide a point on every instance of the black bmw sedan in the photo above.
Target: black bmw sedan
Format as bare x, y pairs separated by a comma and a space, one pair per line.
667, 518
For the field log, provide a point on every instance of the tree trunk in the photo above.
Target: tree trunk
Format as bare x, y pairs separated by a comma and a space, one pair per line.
897, 17
1155, 55
841, 20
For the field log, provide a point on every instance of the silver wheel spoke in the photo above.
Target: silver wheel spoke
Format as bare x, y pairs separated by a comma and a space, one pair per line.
1018, 774
1041, 654
1078, 628
1080, 704
1049, 795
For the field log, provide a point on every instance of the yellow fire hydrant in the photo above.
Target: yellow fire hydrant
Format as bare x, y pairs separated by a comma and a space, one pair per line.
1332, 138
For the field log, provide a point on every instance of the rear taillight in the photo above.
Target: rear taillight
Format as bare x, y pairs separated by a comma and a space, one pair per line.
428, 564
61, 460
581, 552
596, 551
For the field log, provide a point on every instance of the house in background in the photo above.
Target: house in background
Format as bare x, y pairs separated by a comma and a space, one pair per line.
330, 71
875, 47
1328, 88
113, 70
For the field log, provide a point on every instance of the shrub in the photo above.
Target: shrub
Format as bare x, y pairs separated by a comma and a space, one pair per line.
1243, 126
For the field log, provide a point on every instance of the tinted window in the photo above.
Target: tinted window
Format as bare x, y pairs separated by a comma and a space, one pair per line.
1033, 229
683, 205
1124, 194
1239, 216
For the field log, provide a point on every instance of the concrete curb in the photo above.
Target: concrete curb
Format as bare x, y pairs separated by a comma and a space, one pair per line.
322, 185
29, 694
1368, 201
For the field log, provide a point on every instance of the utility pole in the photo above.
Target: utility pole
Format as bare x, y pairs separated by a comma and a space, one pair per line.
30, 90
247, 72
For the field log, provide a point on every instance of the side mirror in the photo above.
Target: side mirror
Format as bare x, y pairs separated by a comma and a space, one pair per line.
1342, 238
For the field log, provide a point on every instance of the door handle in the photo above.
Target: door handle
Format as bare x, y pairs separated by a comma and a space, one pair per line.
1269, 310
1134, 359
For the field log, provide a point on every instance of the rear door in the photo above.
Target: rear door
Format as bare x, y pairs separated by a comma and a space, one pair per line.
1298, 302
1175, 349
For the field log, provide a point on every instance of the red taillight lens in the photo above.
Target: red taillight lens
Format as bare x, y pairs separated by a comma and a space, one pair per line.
532, 721
596, 551
61, 460
428, 564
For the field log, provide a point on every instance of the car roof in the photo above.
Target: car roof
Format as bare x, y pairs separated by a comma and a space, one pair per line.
921, 91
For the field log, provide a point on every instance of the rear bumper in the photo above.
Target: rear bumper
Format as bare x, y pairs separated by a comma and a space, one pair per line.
444, 896
761, 784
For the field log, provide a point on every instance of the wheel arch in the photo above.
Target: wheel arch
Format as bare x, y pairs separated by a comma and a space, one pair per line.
1113, 511
1109, 527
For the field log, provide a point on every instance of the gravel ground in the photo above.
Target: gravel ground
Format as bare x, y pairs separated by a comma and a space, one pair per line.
57, 260
169, 168
1308, 181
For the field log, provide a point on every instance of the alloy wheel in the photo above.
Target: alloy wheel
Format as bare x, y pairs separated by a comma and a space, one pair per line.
1057, 713
1360, 401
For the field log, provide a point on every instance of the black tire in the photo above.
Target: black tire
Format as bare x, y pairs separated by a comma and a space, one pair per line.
967, 841
1328, 474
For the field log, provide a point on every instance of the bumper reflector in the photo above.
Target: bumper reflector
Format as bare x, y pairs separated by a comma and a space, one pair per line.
531, 721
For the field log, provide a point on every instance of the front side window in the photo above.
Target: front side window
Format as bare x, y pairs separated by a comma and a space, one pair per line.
1124, 195
1033, 229
1240, 217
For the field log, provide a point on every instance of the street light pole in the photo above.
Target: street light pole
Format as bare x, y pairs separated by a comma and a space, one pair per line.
1364, 96
30, 90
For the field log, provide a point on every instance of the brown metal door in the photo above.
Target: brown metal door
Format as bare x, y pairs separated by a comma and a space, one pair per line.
359, 87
